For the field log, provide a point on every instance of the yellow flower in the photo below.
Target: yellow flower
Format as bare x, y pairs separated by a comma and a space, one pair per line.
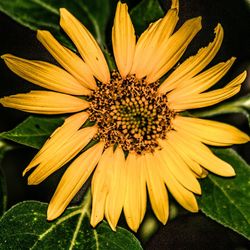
142, 140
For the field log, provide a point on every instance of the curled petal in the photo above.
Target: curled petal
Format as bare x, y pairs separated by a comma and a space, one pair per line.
207, 98
151, 43
203, 81
194, 64
171, 51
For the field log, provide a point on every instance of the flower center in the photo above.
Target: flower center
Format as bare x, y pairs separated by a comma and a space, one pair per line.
129, 112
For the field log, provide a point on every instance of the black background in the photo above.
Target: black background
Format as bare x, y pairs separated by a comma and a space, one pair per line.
188, 231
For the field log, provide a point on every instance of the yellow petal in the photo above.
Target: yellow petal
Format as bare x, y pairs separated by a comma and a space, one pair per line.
194, 64
135, 198
183, 196
73, 179
68, 59
156, 189
123, 39
175, 5
201, 154
193, 165
208, 98
100, 185
58, 138
150, 44
86, 45
45, 102
170, 52
116, 195
45, 75
178, 167
203, 81
56, 159
210, 132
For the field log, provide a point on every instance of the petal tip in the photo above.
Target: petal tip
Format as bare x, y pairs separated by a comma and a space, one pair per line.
94, 221
51, 215
218, 27
5, 56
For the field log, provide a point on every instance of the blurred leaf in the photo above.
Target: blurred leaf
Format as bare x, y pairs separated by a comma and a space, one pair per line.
44, 14
33, 131
241, 105
146, 12
25, 226
226, 200
3, 193
3, 189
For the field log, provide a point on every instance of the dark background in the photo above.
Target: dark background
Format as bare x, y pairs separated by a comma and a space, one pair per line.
187, 231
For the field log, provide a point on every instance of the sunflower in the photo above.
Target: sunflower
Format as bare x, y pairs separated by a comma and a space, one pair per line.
138, 139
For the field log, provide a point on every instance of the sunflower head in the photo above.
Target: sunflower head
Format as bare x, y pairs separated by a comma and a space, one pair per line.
140, 139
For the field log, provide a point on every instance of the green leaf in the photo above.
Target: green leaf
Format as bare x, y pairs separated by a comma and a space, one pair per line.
226, 200
241, 105
146, 12
33, 131
44, 14
24, 226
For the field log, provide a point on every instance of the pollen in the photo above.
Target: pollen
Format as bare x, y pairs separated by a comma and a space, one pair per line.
131, 113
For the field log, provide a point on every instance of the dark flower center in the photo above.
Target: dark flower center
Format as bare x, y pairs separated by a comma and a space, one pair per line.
129, 112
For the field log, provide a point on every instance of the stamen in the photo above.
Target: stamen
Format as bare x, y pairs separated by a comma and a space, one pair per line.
129, 112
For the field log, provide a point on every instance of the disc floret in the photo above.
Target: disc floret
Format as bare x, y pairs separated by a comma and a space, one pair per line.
129, 112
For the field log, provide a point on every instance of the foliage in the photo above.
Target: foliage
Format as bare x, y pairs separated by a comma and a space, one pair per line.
24, 226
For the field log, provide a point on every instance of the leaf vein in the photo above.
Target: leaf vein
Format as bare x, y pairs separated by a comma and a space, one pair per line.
229, 198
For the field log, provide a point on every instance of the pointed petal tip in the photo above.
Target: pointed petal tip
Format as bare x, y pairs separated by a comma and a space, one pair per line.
230, 172
53, 212
195, 209
94, 221
134, 228
63, 11
163, 220
113, 227
233, 58
51, 215
244, 75
5, 57
25, 172
197, 19
41, 33
31, 181
218, 27
198, 190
